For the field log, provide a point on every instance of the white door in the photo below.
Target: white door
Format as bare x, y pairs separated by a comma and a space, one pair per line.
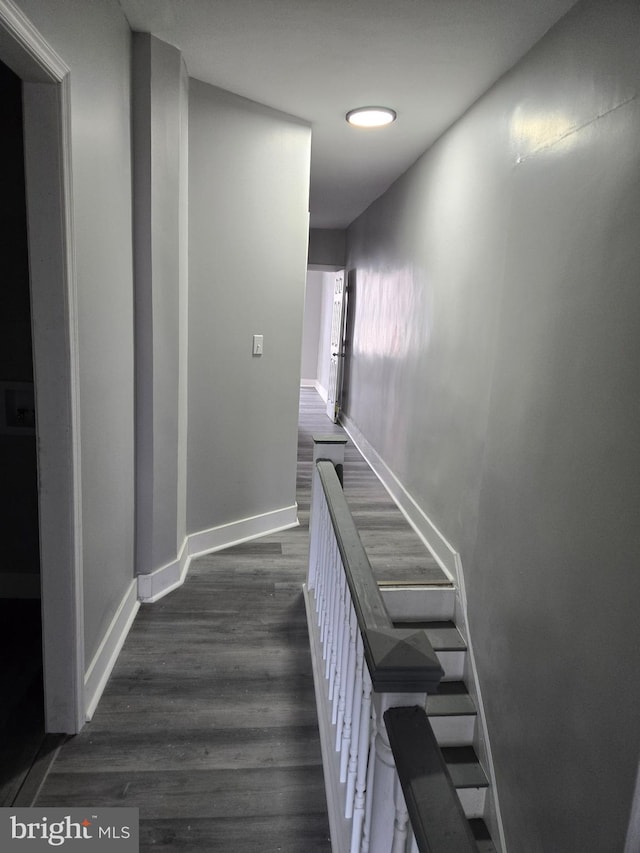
337, 350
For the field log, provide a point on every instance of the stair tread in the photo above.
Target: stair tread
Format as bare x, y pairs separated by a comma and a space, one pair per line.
481, 835
419, 583
464, 767
443, 636
450, 703
452, 687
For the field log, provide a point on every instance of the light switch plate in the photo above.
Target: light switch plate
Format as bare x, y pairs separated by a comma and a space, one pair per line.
258, 341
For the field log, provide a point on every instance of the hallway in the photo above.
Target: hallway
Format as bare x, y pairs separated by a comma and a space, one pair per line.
208, 723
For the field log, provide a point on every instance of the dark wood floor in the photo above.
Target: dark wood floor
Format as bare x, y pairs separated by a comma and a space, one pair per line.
395, 552
208, 722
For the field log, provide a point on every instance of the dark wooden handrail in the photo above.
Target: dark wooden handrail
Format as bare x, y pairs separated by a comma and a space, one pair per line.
400, 660
436, 814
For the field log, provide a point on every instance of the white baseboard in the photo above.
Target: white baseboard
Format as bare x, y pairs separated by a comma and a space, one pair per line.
236, 532
19, 585
158, 583
104, 659
447, 557
313, 383
161, 581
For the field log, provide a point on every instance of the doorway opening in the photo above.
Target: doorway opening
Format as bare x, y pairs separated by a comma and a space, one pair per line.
21, 681
323, 339
50, 411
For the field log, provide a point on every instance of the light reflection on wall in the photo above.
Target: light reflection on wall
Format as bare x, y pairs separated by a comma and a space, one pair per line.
534, 132
394, 314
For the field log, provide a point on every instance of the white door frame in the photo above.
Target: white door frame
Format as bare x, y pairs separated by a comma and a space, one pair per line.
47, 137
336, 347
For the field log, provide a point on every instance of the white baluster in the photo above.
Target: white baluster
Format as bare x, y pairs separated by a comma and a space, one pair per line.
316, 524
400, 824
335, 623
330, 575
363, 764
350, 640
331, 602
325, 577
323, 532
383, 810
327, 535
338, 691
369, 794
320, 579
355, 735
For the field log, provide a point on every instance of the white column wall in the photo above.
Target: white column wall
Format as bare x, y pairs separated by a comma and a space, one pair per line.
311, 328
160, 106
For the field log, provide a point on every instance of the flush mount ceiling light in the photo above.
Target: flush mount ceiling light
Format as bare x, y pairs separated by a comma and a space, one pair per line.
371, 116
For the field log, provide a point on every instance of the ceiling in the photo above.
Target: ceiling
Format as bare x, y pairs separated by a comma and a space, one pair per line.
316, 59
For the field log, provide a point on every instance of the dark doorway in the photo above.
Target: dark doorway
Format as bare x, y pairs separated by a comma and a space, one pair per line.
21, 682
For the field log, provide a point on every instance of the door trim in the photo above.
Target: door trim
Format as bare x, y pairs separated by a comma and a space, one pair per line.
47, 137
334, 384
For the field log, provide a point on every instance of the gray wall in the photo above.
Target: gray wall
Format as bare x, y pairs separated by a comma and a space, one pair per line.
160, 108
327, 248
248, 204
494, 367
311, 326
94, 40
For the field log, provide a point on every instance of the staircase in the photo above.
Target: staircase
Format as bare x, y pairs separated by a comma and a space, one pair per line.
399, 727
452, 712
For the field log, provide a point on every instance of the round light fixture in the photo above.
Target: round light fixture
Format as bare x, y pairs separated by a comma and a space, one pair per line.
371, 116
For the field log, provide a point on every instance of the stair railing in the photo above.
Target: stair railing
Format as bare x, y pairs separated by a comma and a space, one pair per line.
363, 666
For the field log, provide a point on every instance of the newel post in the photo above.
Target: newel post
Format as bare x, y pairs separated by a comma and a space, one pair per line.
330, 447
387, 815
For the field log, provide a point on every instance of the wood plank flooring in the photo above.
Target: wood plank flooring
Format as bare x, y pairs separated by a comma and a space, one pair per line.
208, 723
394, 550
